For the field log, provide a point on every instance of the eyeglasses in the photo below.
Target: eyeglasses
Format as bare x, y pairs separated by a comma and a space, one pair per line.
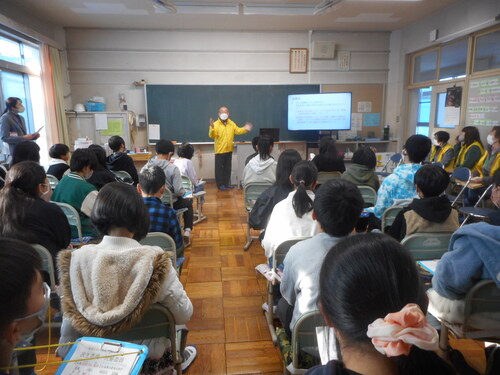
43, 311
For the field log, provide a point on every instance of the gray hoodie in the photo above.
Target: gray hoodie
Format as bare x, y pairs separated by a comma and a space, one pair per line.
258, 170
173, 176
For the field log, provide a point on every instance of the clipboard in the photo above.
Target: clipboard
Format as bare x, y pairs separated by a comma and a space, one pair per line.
107, 347
429, 265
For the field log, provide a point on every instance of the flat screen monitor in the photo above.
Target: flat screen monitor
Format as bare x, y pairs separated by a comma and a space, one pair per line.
328, 111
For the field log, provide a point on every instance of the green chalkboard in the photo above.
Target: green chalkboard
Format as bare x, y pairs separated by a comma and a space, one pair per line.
183, 111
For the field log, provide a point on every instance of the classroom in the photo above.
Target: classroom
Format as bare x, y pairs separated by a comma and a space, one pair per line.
151, 81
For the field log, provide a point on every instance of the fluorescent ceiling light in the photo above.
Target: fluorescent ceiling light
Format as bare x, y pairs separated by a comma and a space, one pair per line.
207, 8
325, 5
279, 9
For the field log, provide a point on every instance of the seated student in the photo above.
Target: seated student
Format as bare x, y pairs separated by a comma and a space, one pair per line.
328, 159
255, 141
468, 149
24, 297
75, 191
486, 168
23, 151
100, 174
261, 168
371, 294
186, 167
58, 164
162, 218
164, 151
292, 217
399, 184
107, 287
432, 211
362, 169
442, 152
119, 160
26, 216
261, 211
336, 209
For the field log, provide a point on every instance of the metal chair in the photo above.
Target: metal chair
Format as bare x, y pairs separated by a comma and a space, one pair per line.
325, 176
74, 220
396, 161
389, 216
251, 193
166, 242
277, 259
482, 303
167, 199
460, 177
427, 246
477, 212
157, 322
369, 195
124, 177
188, 186
53, 181
47, 264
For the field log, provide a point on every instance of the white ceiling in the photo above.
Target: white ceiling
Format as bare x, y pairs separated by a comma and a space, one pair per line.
348, 15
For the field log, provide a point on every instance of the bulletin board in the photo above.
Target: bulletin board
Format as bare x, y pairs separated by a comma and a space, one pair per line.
367, 108
483, 103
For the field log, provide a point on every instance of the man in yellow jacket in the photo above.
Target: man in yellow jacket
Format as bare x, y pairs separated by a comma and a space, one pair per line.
222, 132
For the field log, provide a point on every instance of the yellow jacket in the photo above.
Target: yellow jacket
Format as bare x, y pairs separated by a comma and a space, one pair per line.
223, 135
439, 157
494, 167
463, 153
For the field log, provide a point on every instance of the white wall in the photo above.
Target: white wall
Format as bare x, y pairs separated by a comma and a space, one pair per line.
106, 62
453, 22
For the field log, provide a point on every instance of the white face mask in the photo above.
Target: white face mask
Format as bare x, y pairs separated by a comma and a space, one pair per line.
46, 192
435, 142
223, 116
20, 109
87, 176
28, 336
490, 139
461, 138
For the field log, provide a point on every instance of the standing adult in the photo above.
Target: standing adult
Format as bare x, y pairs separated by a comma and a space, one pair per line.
222, 132
12, 125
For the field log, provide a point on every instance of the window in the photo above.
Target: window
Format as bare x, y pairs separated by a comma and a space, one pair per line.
424, 110
487, 54
441, 100
453, 60
425, 67
10, 51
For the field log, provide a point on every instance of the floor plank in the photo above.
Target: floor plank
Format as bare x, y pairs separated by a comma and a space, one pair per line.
252, 358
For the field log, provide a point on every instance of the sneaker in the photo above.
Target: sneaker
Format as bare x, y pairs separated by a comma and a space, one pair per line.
265, 307
222, 187
230, 186
187, 235
188, 356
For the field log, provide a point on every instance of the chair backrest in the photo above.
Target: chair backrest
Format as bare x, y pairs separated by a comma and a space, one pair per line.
304, 334
462, 174
389, 215
427, 246
73, 217
438, 163
122, 174
167, 197
482, 302
53, 181
252, 192
325, 176
186, 183
47, 263
162, 240
282, 250
396, 158
369, 195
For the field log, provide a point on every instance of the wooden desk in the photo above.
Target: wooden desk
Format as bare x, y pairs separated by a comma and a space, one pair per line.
140, 159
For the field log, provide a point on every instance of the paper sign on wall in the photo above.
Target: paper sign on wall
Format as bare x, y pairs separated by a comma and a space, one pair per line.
364, 106
153, 133
371, 119
101, 121
114, 127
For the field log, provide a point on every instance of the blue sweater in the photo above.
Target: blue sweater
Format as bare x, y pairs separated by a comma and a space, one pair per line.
473, 255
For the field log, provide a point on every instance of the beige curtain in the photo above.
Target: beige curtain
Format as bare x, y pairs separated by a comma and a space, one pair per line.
52, 78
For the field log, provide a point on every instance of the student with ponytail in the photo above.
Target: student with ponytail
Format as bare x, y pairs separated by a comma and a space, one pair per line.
370, 293
24, 215
292, 217
262, 167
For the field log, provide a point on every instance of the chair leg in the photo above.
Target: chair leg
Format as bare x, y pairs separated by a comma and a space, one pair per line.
269, 313
249, 238
443, 338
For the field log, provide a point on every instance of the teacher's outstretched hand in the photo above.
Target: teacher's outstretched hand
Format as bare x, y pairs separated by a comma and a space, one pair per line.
222, 132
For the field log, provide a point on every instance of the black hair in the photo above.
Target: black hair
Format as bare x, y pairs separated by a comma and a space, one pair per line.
186, 150
10, 103
417, 147
432, 180
338, 204
365, 156
255, 141
119, 205
100, 156
328, 149
164, 147
17, 198
26, 151
115, 142
496, 178
304, 175
286, 162
471, 135
264, 146
496, 130
442, 136
58, 150
151, 179
364, 277
19, 266
82, 158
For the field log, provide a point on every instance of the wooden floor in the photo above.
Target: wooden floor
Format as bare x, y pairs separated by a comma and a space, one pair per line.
228, 325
